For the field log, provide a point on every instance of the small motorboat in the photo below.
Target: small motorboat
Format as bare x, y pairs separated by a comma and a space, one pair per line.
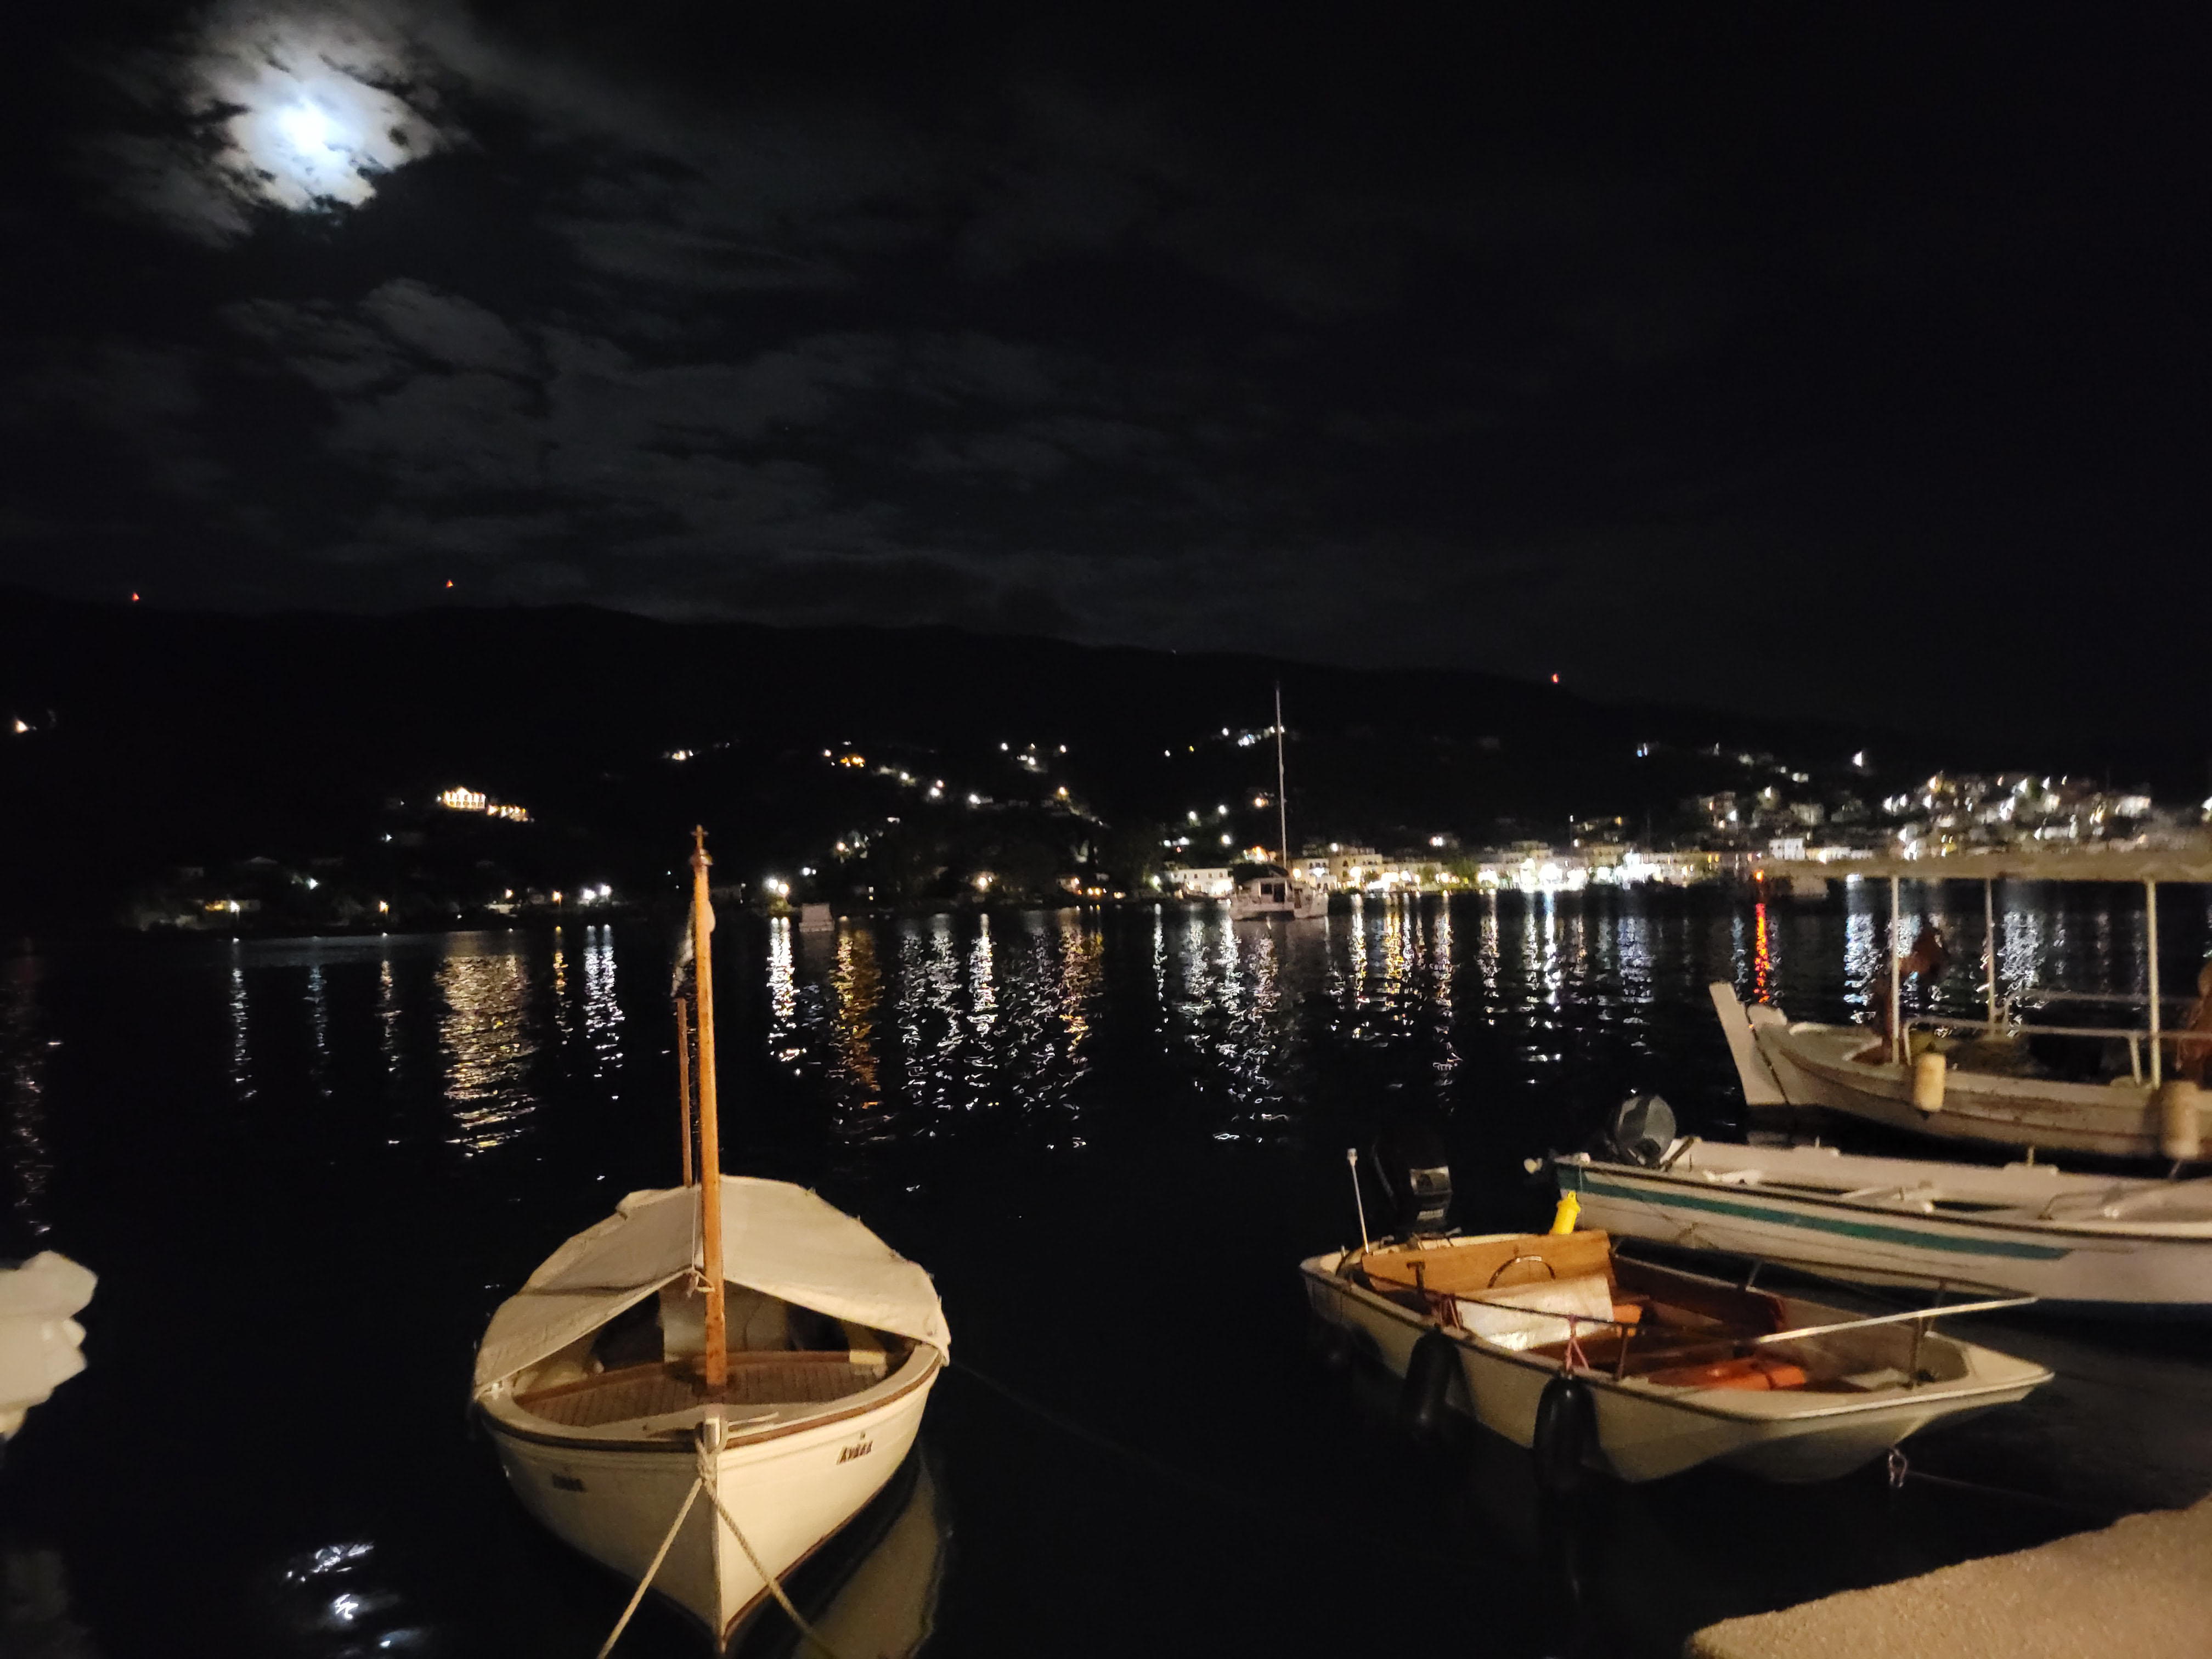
1595, 1359
702, 1389
2100, 1244
41, 1344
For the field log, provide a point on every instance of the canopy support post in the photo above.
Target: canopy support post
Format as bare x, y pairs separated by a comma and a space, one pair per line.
1990, 944
710, 1139
1898, 1046
2150, 911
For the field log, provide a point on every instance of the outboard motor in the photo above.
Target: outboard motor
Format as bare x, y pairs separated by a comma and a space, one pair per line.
1640, 1130
1415, 1177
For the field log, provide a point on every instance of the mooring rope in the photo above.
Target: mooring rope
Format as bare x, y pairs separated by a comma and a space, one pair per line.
768, 1578
1067, 1424
637, 1596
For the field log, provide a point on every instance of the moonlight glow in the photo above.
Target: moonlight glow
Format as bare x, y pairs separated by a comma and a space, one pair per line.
314, 114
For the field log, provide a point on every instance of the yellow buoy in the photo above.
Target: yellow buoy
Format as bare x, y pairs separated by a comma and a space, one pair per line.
1563, 1218
2179, 1137
1928, 1081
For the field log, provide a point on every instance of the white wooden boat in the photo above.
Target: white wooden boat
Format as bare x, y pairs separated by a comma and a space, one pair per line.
1677, 1369
703, 1388
2079, 1244
592, 1383
41, 1344
1953, 1076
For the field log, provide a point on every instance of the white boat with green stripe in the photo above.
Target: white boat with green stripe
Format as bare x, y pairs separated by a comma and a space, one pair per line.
2080, 1243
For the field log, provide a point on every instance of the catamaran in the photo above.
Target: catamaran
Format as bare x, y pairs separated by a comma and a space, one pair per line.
1998, 1080
703, 1388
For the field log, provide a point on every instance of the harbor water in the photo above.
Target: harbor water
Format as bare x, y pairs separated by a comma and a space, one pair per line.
306, 1171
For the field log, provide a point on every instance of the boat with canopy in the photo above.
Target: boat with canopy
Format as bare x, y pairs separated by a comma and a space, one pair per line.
703, 1388
2109, 1091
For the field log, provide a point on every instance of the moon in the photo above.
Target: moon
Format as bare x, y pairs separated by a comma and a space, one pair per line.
316, 114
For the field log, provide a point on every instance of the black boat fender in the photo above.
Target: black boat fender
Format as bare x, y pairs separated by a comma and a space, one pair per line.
1566, 1433
1423, 1401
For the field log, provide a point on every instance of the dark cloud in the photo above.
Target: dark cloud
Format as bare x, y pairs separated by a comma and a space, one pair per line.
1614, 351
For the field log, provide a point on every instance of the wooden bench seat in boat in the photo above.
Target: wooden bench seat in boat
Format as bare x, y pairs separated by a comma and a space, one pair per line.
772, 1378
1472, 1266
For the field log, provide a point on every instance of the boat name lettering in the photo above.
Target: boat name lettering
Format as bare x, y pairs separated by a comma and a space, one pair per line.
852, 1452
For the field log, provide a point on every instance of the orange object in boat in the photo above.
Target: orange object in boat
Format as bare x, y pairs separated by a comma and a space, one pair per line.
1753, 1372
1627, 1313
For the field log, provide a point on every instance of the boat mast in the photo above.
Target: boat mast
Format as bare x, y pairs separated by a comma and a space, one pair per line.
683, 1079
710, 1140
1282, 805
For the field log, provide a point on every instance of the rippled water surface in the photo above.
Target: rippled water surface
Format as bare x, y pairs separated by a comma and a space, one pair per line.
306, 1171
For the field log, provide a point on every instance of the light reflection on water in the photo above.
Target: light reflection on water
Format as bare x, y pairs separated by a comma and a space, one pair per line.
484, 1034
24, 1048
1004, 1095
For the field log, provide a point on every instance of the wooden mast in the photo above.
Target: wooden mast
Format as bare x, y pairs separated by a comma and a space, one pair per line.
710, 1141
683, 1080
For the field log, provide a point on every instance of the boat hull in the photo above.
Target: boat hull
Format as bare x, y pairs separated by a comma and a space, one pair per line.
790, 1490
1814, 1066
2071, 1267
1647, 1435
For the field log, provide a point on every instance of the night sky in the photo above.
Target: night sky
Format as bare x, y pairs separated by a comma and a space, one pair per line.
1839, 361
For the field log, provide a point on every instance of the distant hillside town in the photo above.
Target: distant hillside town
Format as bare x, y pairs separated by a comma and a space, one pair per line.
1728, 835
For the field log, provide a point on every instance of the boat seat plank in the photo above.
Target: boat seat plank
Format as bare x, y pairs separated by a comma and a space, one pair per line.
661, 1389
1467, 1268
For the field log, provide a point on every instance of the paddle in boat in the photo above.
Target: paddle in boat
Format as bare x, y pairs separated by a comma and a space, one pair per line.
2099, 1244
1596, 1359
701, 1430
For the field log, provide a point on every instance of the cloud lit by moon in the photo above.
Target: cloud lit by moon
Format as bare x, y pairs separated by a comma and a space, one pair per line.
313, 110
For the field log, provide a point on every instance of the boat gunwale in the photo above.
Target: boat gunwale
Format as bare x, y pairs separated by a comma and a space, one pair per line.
2118, 1096
2117, 1229
930, 1358
1647, 1392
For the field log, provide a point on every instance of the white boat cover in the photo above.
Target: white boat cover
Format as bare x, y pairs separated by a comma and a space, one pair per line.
40, 1345
776, 1238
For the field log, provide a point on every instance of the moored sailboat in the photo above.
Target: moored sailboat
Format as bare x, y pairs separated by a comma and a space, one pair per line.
704, 1388
1271, 890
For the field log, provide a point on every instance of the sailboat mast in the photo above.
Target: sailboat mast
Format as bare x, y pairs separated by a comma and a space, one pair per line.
710, 1140
1282, 802
683, 1079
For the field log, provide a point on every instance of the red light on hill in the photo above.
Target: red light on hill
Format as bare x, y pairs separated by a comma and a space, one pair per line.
1555, 679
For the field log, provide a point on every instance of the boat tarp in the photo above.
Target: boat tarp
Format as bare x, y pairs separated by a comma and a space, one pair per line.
777, 1238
